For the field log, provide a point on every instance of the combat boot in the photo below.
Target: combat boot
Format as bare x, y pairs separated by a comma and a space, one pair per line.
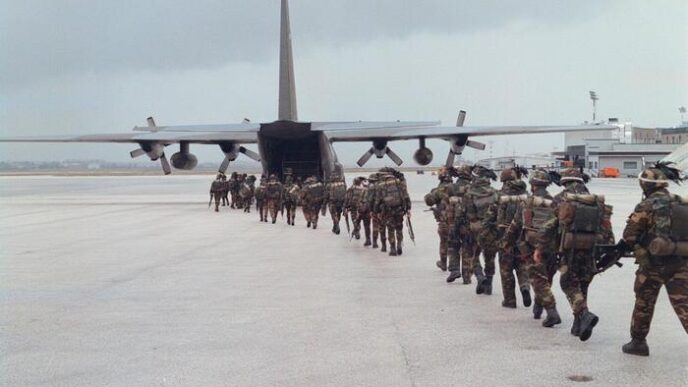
392, 250
375, 246
511, 304
367, 242
453, 275
336, 229
480, 279
487, 285
308, 225
315, 225
384, 246
527, 301
537, 311
441, 265
399, 250
588, 321
636, 347
575, 328
552, 318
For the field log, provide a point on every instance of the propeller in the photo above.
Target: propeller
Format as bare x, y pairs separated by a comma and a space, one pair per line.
459, 123
397, 160
137, 152
231, 152
366, 156
165, 164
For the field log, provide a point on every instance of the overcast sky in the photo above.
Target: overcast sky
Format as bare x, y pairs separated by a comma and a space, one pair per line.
77, 66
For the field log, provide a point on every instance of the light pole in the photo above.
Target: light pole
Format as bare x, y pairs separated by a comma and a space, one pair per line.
594, 98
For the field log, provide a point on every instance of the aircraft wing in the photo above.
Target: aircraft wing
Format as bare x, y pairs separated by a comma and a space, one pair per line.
200, 134
389, 131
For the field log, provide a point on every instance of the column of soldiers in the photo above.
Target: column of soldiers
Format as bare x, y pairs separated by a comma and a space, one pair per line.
536, 234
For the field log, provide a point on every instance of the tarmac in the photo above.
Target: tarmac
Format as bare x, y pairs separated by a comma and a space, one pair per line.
133, 281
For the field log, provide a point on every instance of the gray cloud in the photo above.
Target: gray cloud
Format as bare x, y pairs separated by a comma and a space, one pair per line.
43, 39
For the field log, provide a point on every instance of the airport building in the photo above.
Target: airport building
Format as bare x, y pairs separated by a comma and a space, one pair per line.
626, 151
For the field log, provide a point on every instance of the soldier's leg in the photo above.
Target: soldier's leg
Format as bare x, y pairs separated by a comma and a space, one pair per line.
506, 272
648, 282
315, 215
467, 252
677, 289
383, 233
216, 197
571, 286
443, 233
521, 267
391, 235
375, 225
274, 209
366, 228
399, 229
356, 218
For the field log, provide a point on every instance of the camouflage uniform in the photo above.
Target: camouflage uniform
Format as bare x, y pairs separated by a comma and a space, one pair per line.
274, 193
661, 219
462, 243
502, 214
313, 196
246, 192
292, 191
225, 191
377, 227
356, 206
233, 186
259, 194
437, 199
577, 267
335, 192
394, 203
532, 214
216, 192
471, 216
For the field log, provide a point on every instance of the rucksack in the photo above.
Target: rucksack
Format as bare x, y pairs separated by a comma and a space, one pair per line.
671, 227
273, 190
315, 192
581, 218
392, 193
245, 191
482, 202
537, 212
337, 192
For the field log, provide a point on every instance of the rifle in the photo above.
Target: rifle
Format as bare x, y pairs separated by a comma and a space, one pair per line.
409, 227
606, 256
348, 226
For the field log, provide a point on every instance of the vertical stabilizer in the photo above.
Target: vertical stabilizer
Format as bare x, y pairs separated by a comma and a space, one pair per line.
287, 89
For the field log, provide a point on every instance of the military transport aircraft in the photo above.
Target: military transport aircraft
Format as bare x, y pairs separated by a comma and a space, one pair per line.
303, 147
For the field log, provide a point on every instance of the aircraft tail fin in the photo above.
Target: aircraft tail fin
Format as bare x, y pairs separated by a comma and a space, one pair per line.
287, 89
679, 157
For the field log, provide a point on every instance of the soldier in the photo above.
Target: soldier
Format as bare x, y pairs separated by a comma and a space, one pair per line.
531, 215
216, 191
259, 194
581, 220
335, 192
471, 215
513, 191
377, 226
233, 187
247, 192
460, 245
437, 199
395, 203
355, 204
657, 233
225, 191
292, 191
313, 196
274, 193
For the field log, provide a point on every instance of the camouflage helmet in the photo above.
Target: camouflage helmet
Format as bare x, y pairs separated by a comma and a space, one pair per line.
540, 177
480, 171
464, 171
508, 174
574, 174
446, 173
659, 176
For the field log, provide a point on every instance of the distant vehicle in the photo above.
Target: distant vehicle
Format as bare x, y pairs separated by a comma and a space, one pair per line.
420, 172
610, 172
305, 147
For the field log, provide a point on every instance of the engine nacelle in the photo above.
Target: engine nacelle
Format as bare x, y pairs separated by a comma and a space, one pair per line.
423, 156
184, 160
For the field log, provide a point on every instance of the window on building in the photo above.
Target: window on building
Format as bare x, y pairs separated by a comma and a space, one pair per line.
630, 165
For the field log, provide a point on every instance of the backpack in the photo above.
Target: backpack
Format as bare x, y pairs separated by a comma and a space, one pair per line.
581, 218
315, 192
245, 191
392, 193
259, 193
337, 192
536, 213
482, 202
273, 190
671, 227
293, 194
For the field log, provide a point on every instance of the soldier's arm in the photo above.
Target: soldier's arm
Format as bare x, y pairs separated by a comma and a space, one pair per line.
514, 230
548, 233
638, 223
